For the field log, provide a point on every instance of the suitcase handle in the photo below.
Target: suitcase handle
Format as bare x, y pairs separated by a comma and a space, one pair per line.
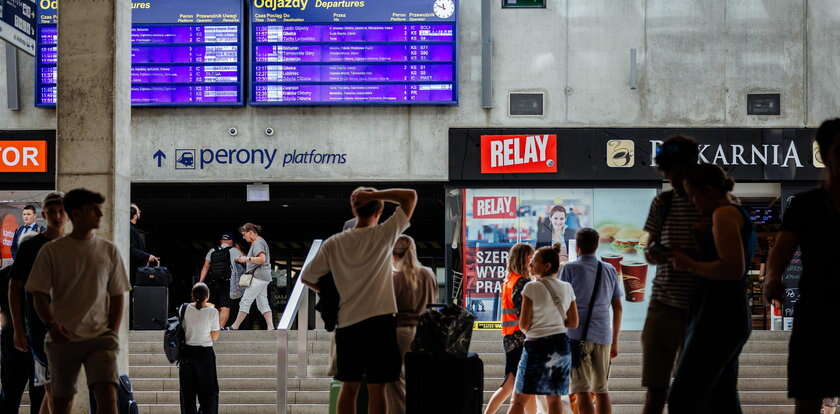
436, 306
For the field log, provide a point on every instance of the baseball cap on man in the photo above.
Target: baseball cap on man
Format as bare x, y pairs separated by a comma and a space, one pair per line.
55, 197
677, 150
227, 236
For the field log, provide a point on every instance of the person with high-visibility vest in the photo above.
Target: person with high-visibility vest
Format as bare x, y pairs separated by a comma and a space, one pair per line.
513, 338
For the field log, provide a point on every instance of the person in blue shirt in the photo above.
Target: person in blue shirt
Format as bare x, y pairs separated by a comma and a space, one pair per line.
29, 224
598, 340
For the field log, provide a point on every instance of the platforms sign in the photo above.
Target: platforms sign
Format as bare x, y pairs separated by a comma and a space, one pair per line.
17, 23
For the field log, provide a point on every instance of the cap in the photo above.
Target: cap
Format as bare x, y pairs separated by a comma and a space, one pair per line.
52, 198
227, 236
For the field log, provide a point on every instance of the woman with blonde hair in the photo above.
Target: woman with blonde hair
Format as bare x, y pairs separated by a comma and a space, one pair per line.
512, 337
415, 287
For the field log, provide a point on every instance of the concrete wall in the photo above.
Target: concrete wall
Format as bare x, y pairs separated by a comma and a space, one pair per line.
697, 61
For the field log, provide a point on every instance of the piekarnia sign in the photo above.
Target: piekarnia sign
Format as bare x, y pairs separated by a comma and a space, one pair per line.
518, 154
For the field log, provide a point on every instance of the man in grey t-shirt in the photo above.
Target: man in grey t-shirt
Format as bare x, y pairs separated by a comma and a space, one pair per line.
599, 341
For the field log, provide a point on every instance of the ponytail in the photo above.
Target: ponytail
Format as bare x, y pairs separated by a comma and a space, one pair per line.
405, 251
200, 293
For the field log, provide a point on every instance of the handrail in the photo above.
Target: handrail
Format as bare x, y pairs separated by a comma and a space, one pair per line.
297, 305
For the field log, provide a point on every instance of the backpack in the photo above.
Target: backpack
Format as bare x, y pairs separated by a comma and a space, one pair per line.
220, 264
175, 337
125, 398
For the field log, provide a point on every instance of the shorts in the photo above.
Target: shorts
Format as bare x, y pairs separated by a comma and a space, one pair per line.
368, 350
662, 340
97, 355
220, 293
594, 371
512, 358
545, 366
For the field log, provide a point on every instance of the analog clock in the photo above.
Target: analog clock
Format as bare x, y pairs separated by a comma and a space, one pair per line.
444, 8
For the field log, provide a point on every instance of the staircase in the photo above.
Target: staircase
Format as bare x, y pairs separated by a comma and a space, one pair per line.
246, 364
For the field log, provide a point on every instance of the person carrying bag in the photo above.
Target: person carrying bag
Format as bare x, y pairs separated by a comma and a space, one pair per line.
197, 360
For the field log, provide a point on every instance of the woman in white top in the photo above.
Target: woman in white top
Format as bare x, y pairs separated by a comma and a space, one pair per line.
197, 367
548, 310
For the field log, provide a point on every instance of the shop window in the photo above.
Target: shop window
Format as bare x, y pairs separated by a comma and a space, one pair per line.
496, 219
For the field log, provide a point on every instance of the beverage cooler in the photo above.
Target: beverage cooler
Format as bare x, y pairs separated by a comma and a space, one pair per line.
539, 186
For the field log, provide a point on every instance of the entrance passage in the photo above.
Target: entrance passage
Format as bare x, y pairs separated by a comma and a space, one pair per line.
183, 221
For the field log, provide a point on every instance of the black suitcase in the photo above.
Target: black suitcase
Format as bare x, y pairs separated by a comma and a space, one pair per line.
149, 308
152, 276
443, 383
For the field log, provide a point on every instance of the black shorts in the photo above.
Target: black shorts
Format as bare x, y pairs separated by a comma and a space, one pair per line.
512, 358
219, 293
368, 351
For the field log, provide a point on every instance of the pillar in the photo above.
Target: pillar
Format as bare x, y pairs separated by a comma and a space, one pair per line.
94, 118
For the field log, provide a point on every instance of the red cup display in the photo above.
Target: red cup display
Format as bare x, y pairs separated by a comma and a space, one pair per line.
634, 274
614, 260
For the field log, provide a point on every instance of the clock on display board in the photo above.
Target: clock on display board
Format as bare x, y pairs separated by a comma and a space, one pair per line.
444, 8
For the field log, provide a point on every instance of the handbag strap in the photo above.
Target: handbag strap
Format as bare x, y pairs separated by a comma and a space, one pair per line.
592, 300
181, 313
554, 296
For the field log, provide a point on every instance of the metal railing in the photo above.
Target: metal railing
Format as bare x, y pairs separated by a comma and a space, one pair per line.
298, 305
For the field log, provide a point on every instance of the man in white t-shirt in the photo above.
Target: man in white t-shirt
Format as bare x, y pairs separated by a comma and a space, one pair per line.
78, 283
360, 262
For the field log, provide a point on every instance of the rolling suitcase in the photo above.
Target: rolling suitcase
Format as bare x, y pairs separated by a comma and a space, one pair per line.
443, 383
149, 308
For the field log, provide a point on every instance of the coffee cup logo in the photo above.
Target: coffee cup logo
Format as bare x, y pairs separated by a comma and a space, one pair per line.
621, 153
818, 161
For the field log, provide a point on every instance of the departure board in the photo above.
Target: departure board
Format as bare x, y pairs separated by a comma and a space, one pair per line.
365, 52
183, 53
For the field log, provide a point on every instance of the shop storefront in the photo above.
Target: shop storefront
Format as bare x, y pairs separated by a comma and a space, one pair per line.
27, 173
540, 185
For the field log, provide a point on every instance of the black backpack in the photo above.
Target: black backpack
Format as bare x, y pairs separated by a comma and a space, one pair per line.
125, 398
220, 264
175, 337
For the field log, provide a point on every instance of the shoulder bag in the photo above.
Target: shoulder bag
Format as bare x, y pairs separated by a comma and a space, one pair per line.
576, 345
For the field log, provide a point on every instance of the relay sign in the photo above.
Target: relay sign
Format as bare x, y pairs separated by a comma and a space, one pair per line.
183, 53
318, 52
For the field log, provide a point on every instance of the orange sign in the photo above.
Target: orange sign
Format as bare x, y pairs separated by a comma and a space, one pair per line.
23, 156
9, 225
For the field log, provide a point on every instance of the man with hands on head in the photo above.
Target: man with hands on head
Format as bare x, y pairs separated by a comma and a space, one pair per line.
78, 283
360, 262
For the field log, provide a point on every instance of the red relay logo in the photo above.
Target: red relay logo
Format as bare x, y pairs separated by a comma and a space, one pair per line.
518, 154
494, 207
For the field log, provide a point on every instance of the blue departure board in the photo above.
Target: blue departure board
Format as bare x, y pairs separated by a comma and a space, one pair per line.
363, 52
183, 53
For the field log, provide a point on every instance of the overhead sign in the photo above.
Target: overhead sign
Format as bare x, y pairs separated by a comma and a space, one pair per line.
627, 154
518, 154
27, 160
17, 23
320, 52
183, 53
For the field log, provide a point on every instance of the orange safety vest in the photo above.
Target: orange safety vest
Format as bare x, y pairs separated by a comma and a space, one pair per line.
510, 320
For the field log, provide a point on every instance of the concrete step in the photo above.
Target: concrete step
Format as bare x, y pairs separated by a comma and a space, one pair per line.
489, 359
490, 383
269, 371
321, 335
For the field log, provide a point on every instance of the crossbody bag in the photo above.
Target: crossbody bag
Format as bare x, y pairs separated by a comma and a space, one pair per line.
574, 344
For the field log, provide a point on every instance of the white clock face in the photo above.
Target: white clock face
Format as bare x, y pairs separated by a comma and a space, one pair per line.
444, 8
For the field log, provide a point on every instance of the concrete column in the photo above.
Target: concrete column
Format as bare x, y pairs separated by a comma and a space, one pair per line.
94, 117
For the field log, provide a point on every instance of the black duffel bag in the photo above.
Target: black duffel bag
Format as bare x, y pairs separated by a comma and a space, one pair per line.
444, 329
152, 276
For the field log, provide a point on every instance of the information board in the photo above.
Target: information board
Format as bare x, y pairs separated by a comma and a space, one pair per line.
17, 24
366, 52
183, 53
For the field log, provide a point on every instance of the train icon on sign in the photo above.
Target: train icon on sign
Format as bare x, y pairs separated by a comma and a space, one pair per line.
185, 159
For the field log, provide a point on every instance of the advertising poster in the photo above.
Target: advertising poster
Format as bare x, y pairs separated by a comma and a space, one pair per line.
10, 214
496, 219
